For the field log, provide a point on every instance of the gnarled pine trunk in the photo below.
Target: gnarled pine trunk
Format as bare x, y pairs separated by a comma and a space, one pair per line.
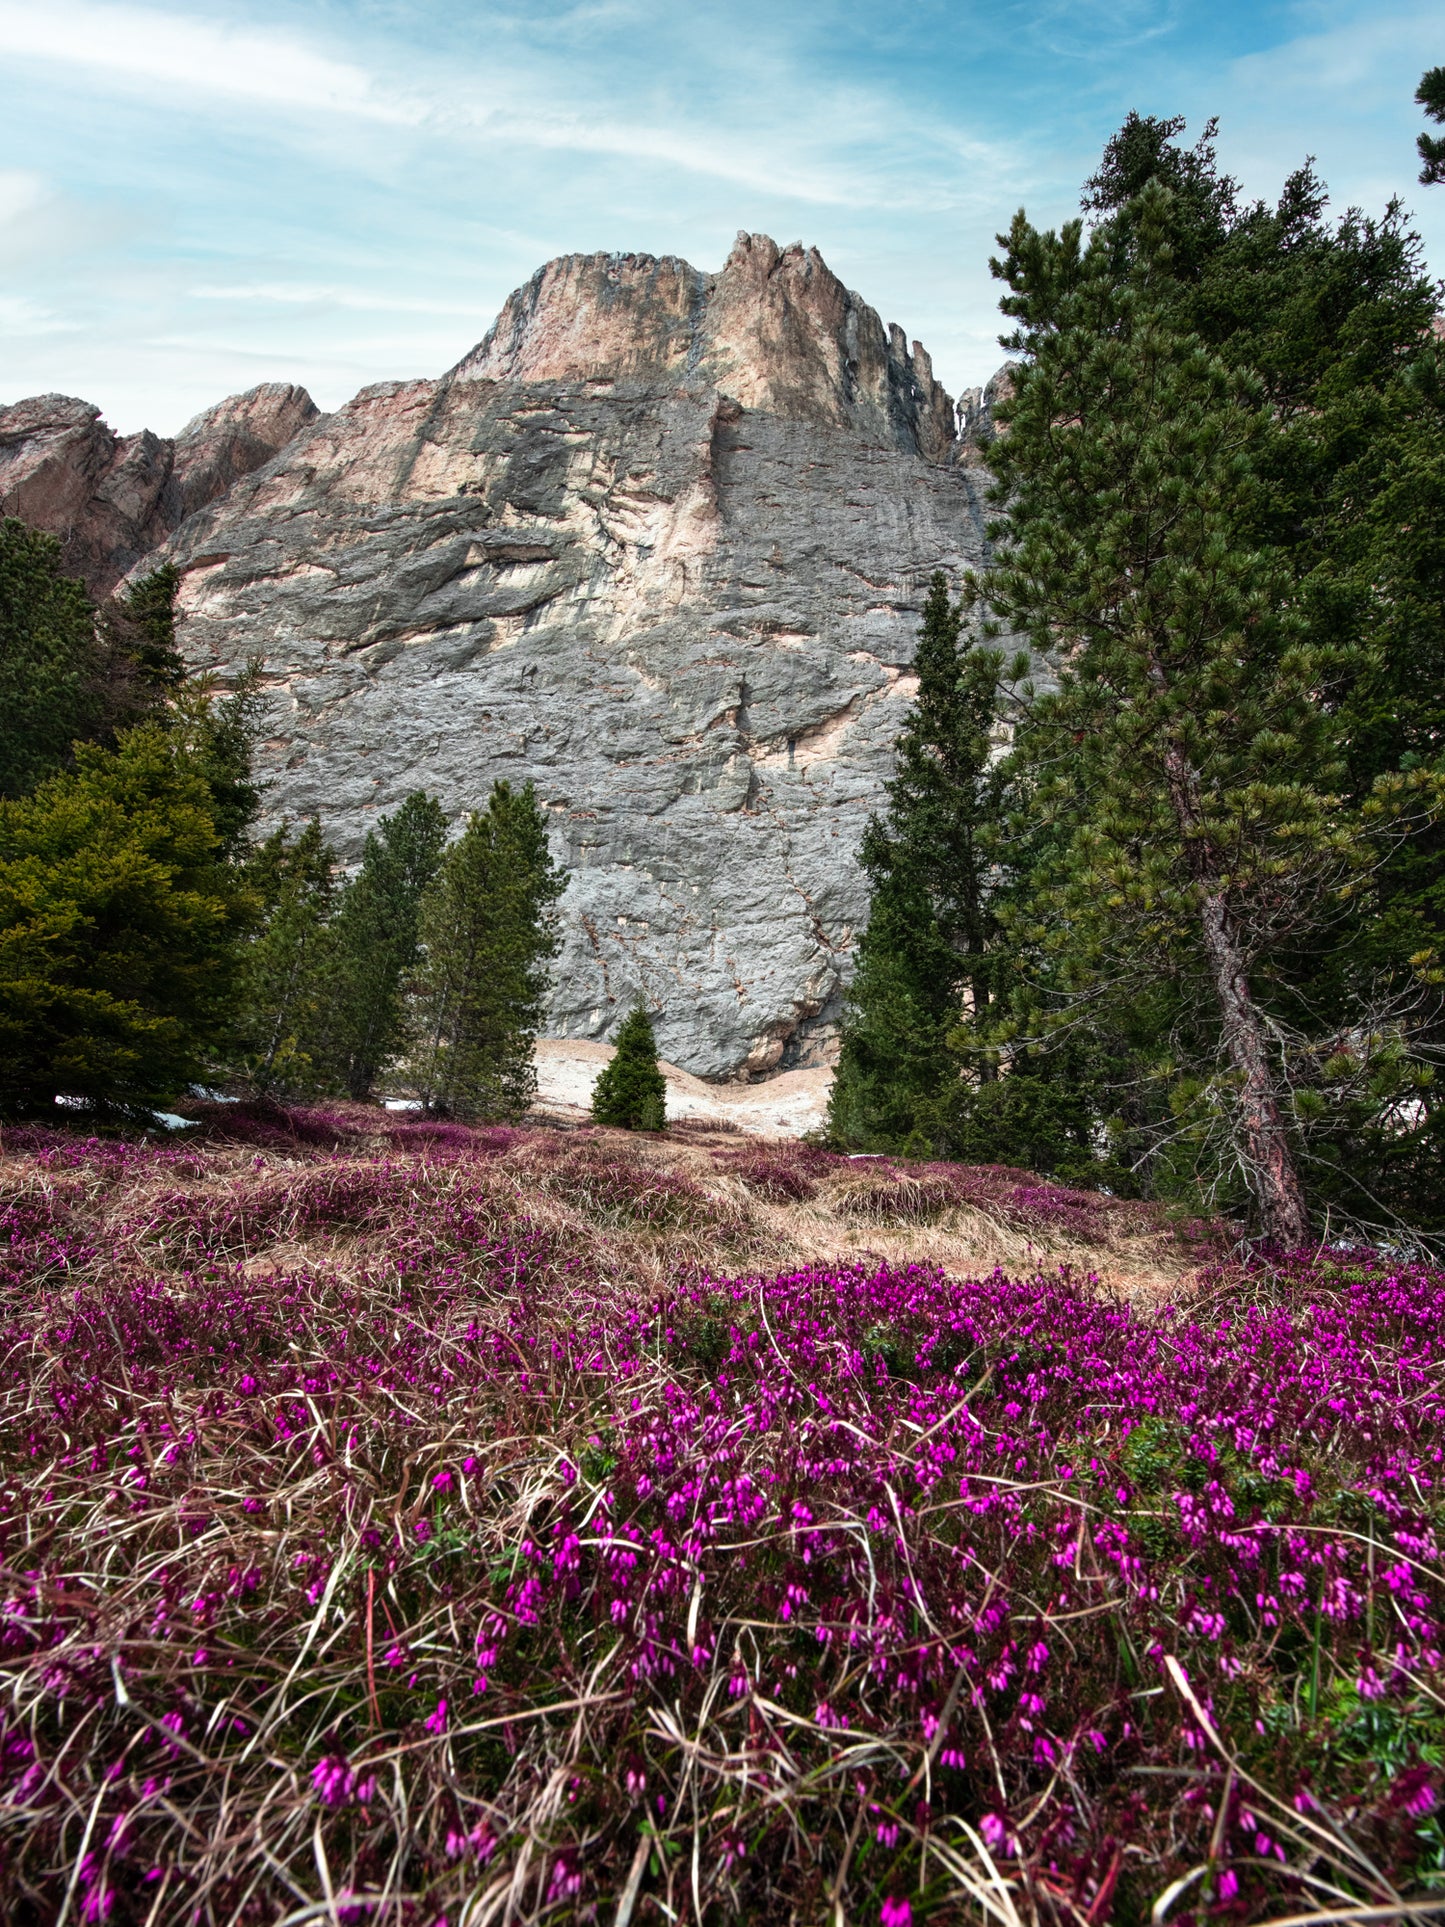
1269, 1159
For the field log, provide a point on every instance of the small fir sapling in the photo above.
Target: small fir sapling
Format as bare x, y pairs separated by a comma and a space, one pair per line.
631, 1091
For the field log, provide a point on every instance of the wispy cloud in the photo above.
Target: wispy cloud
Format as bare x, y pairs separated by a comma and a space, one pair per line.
779, 137
339, 191
202, 58
21, 317
293, 294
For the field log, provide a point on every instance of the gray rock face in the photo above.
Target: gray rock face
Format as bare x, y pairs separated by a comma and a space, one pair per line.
658, 544
112, 498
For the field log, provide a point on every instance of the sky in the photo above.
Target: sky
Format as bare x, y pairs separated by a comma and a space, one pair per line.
199, 195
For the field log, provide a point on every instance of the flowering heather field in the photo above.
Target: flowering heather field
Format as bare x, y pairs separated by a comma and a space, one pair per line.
435, 1525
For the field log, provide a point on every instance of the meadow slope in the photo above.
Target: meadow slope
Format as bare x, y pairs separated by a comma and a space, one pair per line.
402, 1522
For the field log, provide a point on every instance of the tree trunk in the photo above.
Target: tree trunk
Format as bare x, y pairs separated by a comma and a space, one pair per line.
1272, 1171
1268, 1158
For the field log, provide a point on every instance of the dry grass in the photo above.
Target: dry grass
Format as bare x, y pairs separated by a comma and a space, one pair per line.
409, 1524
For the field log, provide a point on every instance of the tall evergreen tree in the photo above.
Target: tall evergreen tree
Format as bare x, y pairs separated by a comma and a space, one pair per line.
1189, 757
631, 1091
374, 939
283, 980
487, 937
119, 921
926, 954
136, 631
50, 693
1334, 319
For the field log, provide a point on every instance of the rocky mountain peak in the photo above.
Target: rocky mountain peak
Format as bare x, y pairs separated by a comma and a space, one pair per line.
594, 317
774, 330
112, 498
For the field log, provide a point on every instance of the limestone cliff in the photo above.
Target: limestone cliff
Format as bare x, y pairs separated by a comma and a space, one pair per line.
659, 544
112, 498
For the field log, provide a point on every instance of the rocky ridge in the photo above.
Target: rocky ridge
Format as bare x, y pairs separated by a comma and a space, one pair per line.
657, 544
111, 499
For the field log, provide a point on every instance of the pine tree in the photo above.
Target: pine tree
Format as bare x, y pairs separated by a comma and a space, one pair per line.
374, 939
220, 731
486, 938
926, 954
631, 1092
283, 993
50, 684
70, 672
1188, 758
119, 921
136, 631
1334, 321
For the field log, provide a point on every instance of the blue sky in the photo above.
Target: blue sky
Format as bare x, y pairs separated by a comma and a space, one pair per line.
196, 195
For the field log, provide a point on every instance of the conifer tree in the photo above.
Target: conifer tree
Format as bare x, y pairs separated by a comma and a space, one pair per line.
631, 1091
374, 938
136, 635
486, 938
283, 982
1189, 760
50, 694
926, 955
1334, 322
119, 921
220, 733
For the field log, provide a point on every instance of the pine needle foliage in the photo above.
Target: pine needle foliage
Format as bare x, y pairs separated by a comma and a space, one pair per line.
70, 672
631, 1091
1185, 755
119, 921
284, 987
1430, 95
48, 660
374, 942
926, 954
486, 939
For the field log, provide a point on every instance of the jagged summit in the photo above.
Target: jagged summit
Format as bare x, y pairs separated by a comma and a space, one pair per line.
774, 330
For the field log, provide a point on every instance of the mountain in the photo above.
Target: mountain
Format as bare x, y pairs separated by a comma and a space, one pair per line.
658, 544
111, 499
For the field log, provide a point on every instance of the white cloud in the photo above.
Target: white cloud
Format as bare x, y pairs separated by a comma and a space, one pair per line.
1360, 68
21, 194
38, 223
300, 294
201, 57
788, 141
21, 317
